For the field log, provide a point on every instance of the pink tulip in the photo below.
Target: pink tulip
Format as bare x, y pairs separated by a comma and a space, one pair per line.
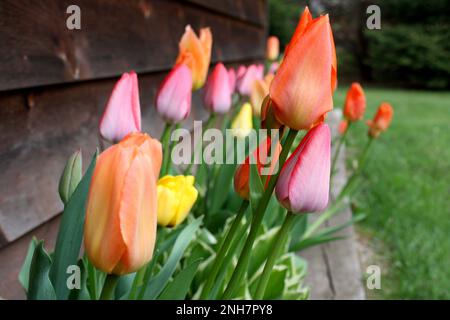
304, 180
123, 112
241, 71
232, 79
173, 101
217, 96
245, 78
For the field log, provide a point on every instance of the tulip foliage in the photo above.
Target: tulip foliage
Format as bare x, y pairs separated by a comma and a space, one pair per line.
151, 229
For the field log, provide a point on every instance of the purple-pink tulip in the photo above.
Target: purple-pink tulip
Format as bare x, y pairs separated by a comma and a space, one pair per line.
217, 96
246, 77
123, 112
232, 79
304, 180
173, 101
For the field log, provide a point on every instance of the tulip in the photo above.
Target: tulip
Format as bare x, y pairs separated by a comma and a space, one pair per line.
303, 85
123, 112
173, 100
342, 128
217, 97
246, 77
273, 48
176, 196
260, 89
261, 154
121, 210
195, 52
71, 176
303, 185
381, 121
242, 124
232, 79
355, 103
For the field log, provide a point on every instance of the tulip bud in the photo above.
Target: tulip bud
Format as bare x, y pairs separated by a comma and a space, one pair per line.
273, 48
246, 77
343, 125
381, 121
121, 210
195, 52
217, 97
173, 100
260, 89
265, 158
123, 112
176, 196
355, 103
304, 182
242, 124
232, 79
71, 176
303, 85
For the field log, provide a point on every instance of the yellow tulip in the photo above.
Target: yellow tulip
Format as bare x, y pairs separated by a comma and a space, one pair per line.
176, 196
242, 124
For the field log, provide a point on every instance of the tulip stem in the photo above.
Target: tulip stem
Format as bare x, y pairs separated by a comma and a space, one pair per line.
165, 139
225, 246
278, 244
258, 216
109, 287
338, 148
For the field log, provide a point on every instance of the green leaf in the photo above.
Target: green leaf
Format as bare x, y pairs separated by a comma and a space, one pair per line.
179, 286
313, 241
221, 186
40, 287
261, 250
300, 226
157, 284
82, 293
256, 186
24, 274
275, 286
70, 234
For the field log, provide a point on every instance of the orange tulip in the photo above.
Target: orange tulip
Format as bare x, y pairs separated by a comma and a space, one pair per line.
262, 155
343, 125
260, 89
273, 48
303, 85
381, 121
121, 211
195, 52
355, 103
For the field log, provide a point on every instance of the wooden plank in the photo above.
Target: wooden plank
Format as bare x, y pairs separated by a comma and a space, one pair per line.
253, 11
116, 36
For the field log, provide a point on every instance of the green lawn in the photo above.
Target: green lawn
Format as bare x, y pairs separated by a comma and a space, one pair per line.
407, 191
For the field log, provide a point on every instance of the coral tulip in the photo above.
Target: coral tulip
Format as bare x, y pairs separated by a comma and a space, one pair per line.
173, 100
176, 196
121, 210
242, 124
273, 48
260, 89
123, 112
217, 97
343, 125
381, 121
303, 185
262, 156
246, 77
303, 85
355, 103
195, 52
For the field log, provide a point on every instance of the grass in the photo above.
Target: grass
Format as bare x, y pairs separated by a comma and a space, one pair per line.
406, 193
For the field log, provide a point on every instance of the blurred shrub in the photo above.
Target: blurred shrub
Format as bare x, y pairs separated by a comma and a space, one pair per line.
283, 18
412, 55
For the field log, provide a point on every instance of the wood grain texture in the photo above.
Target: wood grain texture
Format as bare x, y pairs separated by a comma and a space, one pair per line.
116, 36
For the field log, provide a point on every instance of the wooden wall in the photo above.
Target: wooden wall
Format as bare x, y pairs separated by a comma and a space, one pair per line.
54, 83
